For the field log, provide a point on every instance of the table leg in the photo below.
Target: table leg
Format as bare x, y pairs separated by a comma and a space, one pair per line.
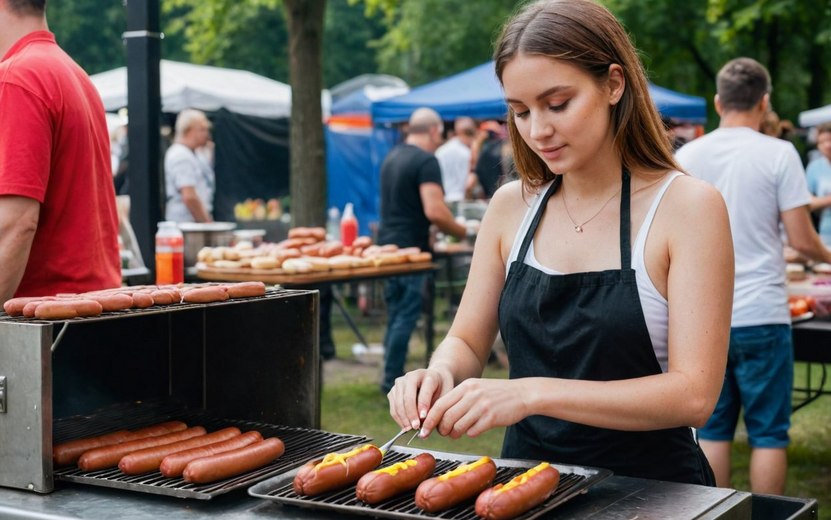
430, 317
338, 299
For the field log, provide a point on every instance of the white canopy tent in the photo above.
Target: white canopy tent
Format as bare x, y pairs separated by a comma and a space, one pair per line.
184, 85
816, 116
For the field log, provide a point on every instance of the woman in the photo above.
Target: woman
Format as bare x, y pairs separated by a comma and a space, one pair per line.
615, 349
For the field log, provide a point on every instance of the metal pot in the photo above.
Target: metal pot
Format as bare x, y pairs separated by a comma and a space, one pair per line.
201, 234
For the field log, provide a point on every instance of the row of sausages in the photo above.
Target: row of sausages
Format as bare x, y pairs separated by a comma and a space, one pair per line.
433, 494
94, 303
175, 450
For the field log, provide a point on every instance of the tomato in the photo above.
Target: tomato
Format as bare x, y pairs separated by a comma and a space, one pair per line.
799, 307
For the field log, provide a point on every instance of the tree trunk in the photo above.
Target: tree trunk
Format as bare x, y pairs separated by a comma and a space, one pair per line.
308, 167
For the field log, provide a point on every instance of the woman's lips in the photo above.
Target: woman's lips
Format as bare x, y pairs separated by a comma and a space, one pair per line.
552, 153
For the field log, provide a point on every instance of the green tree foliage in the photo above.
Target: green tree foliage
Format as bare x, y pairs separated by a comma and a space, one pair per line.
685, 43
429, 39
90, 31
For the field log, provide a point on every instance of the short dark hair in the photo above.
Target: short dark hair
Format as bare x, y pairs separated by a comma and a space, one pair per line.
824, 128
27, 7
742, 83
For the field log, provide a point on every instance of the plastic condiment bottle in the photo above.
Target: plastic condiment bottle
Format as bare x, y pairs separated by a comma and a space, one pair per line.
348, 225
170, 254
333, 224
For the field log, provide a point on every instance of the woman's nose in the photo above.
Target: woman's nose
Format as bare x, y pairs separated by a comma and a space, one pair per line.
540, 125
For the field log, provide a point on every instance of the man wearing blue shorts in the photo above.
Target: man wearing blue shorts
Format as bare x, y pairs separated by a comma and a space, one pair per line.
763, 183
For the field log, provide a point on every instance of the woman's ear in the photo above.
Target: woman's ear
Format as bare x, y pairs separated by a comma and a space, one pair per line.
616, 83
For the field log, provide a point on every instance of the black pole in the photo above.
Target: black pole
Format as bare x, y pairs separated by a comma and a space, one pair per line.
144, 112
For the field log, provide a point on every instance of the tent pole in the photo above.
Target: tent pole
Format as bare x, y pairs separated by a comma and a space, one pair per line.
143, 40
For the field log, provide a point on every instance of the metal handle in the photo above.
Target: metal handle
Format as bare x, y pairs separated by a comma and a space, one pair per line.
2, 394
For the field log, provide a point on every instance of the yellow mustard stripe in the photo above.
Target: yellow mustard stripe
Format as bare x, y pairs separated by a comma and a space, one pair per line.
340, 458
398, 466
464, 468
520, 479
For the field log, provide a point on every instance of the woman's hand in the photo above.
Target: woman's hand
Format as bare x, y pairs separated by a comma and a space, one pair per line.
415, 392
477, 405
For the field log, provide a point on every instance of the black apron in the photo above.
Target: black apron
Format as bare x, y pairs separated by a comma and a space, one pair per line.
588, 326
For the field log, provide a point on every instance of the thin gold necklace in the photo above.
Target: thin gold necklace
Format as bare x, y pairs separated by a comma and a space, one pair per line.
578, 228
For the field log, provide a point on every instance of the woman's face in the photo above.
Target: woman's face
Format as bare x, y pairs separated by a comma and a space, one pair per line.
561, 112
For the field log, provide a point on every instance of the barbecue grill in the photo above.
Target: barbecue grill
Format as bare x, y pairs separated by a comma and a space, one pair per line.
250, 359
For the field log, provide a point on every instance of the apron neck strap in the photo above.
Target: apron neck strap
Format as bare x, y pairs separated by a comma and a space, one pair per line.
625, 235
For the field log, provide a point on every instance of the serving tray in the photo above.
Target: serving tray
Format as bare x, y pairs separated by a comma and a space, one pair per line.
573, 481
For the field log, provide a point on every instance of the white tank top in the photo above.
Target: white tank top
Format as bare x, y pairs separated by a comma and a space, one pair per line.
655, 309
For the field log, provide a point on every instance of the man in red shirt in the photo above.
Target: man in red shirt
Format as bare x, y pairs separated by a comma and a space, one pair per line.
58, 221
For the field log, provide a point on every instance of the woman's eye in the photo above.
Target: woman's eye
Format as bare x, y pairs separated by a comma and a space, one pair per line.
521, 115
558, 108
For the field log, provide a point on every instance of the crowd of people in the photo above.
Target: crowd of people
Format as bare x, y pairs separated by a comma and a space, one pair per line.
638, 282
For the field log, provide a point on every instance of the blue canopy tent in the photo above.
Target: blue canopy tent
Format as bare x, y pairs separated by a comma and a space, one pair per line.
474, 93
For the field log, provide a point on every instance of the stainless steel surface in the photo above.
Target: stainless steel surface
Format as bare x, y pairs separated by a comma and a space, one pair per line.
301, 444
573, 481
26, 426
618, 498
249, 359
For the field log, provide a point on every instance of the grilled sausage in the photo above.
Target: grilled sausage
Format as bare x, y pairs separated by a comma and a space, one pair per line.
67, 309
234, 462
142, 300
205, 295
113, 301
14, 307
381, 484
245, 289
174, 464
336, 470
67, 453
455, 486
520, 494
149, 459
109, 456
165, 296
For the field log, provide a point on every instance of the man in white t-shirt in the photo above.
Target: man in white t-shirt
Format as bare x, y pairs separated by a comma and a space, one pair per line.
189, 179
763, 184
454, 160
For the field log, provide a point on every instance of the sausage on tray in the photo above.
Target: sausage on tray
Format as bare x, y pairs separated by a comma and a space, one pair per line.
235, 462
381, 484
67, 453
455, 486
109, 456
67, 309
174, 464
520, 494
336, 470
149, 459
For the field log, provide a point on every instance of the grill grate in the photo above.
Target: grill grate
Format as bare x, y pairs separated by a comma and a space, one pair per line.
272, 292
302, 444
573, 480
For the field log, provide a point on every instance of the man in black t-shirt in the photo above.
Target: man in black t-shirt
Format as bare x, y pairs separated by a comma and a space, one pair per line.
412, 199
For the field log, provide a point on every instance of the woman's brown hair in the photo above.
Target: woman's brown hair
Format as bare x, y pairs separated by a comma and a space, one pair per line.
588, 36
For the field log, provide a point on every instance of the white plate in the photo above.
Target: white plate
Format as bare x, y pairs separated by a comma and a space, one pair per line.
802, 317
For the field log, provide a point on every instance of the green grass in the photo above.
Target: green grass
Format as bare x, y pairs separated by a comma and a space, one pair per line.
352, 403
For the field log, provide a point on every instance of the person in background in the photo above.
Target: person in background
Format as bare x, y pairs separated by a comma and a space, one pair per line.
454, 160
189, 179
58, 220
763, 183
494, 163
819, 182
411, 200
614, 310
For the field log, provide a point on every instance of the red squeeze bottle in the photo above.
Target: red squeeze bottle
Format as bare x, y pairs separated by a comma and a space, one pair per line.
348, 226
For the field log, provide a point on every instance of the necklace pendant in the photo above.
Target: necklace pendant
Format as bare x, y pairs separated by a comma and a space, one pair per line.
578, 229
